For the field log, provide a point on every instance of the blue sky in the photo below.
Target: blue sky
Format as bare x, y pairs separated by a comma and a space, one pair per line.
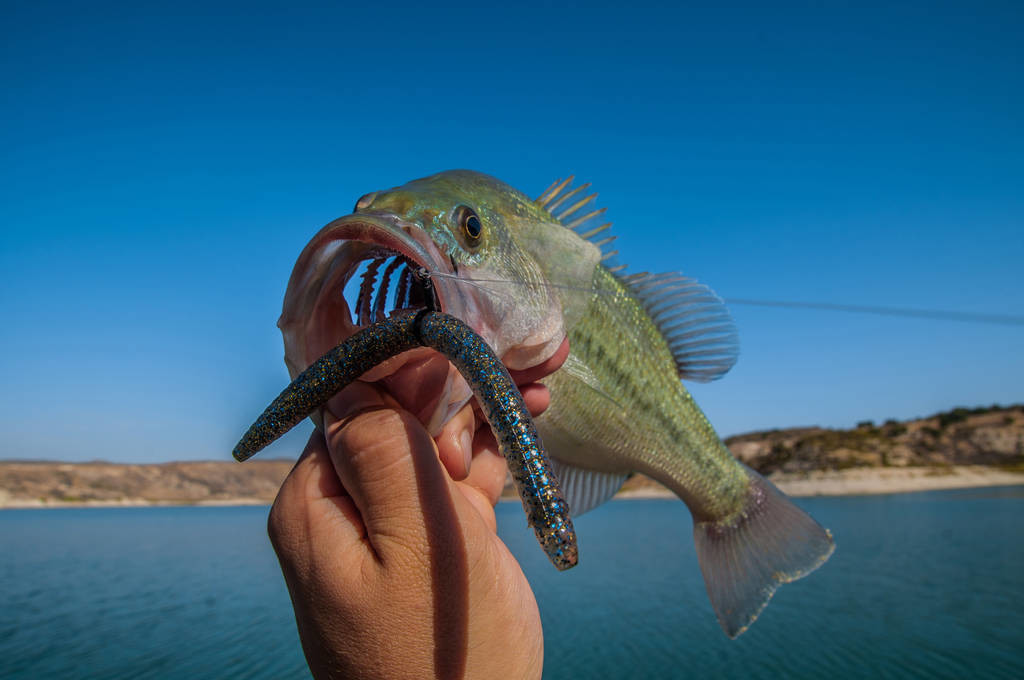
165, 164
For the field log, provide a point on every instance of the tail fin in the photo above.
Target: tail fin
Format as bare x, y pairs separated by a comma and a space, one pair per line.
746, 558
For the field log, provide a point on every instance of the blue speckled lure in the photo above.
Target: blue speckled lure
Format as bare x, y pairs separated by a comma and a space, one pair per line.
500, 401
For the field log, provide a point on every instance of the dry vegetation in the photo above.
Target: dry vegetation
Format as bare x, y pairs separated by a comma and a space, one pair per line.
991, 436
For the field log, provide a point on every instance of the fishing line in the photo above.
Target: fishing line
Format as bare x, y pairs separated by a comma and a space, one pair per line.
938, 314
943, 314
559, 286
477, 283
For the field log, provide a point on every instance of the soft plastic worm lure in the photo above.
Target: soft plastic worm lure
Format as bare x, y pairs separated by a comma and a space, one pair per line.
500, 401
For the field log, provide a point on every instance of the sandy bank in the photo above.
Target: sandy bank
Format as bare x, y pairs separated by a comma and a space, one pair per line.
870, 481
864, 481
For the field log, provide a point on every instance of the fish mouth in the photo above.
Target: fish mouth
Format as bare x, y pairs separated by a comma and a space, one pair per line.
374, 258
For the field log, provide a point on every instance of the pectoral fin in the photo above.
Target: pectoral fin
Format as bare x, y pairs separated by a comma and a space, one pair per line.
575, 367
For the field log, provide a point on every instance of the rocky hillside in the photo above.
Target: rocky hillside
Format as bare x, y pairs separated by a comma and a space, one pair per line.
991, 436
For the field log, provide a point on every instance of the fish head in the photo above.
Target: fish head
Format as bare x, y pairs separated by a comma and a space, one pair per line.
497, 261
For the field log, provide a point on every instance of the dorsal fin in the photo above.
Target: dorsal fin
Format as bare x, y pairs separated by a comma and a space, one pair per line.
694, 321
576, 212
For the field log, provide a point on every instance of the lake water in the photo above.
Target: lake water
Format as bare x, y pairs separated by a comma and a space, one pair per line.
927, 585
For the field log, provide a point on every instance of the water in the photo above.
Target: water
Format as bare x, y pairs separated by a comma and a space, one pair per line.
921, 585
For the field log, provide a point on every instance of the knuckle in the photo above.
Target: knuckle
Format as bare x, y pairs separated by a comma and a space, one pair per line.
380, 439
280, 527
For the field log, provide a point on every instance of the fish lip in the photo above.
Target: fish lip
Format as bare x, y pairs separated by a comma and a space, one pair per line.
390, 233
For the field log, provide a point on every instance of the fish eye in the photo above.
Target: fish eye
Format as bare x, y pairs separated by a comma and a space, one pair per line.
470, 224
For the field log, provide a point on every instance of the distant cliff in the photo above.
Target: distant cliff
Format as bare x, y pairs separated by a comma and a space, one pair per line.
977, 446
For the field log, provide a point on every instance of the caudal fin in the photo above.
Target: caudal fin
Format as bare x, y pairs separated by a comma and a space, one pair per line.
745, 559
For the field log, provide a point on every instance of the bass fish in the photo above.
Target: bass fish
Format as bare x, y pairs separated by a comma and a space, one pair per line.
525, 275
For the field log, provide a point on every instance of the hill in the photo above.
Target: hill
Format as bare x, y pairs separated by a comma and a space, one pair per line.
982, 436
32, 484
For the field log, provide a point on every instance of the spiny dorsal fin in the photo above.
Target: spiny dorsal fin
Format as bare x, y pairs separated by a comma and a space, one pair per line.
575, 212
696, 325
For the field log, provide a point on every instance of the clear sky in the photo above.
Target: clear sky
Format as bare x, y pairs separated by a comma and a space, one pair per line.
164, 164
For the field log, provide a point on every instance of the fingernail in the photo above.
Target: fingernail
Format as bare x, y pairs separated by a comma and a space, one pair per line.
467, 448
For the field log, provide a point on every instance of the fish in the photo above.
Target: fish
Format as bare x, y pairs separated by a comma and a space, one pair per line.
526, 275
501, 403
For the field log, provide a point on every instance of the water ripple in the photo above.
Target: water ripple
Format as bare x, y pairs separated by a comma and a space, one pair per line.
921, 586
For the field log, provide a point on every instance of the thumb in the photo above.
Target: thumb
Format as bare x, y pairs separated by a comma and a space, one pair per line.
389, 465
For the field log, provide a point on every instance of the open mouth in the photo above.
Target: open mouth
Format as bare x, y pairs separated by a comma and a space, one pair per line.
359, 270
382, 284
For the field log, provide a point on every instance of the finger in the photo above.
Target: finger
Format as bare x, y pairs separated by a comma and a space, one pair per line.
359, 396
537, 398
310, 499
455, 443
482, 487
312, 477
388, 463
488, 472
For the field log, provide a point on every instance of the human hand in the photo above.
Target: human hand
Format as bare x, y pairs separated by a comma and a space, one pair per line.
388, 544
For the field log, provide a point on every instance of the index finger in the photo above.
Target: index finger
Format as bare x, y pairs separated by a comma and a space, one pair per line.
389, 465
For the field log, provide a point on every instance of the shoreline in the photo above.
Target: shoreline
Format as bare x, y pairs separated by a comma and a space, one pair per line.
36, 504
876, 481
873, 481
851, 482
